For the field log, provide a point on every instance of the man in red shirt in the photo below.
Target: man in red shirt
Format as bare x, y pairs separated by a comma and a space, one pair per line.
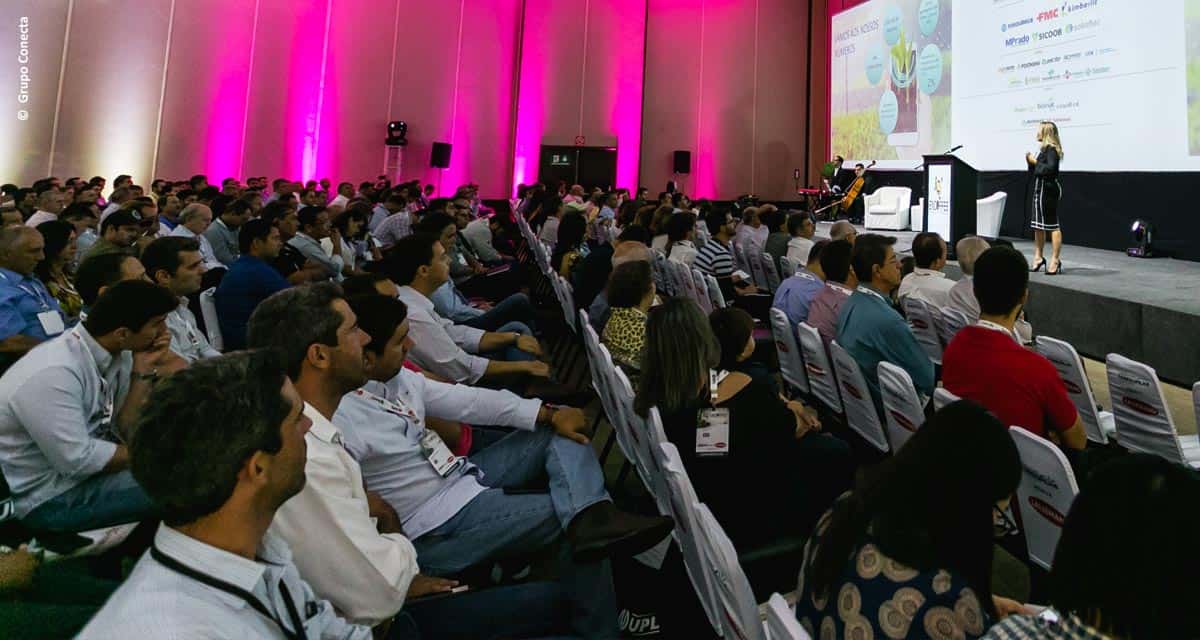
986, 364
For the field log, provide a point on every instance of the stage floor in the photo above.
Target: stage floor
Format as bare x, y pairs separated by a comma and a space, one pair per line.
1106, 302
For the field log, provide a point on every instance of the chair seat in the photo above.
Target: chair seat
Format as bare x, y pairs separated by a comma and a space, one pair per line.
883, 210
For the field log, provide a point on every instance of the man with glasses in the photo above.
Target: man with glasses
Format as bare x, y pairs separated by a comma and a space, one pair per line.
870, 329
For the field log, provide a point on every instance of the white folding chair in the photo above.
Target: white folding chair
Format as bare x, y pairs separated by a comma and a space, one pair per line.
740, 259
941, 398
768, 265
1099, 425
1045, 494
682, 501
1144, 422
861, 415
662, 279
212, 323
735, 598
706, 301
821, 380
781, 621
788, 266
714, 292
902, 410
753, 257
791, 362
953, 321
924, 327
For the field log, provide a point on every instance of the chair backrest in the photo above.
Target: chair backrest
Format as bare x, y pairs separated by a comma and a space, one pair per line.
705, 300
714, 292
686, 285
941, 398
781, 621
953, 321
788, 266
682, 501
791, 362
739, 257
567, 299
635, 429
1196, 401
1071, 369
662, 280
1144, 423
1045, 494
924, 327
768, 265
902, 410
861, 415
754, 258
892, 197
821, 380
212, 323
735, 598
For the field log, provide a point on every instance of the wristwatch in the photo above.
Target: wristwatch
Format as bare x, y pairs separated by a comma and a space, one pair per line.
551, 410
151, 376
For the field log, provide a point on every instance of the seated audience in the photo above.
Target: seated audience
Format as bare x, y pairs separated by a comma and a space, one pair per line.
250, 280
681, 236
357, 247
478, 234
29, 314
870, 329
97, 273
777, 240
800, 228
630, 295
10, 217
56, 268
630, 246
459, 515
661, 217
773, 449
419, 265
843, 230
391, 220
118, 233
194, 221
314, 226
290, 263
734, 330
64, 410
551, 210
569, 248
796, 294
752, 231
591, 276
987, 364
512, 313
175, 264
1143, 507
715, 258
840, 283
928, 282
222, 234
908, 554
962, 294
49, 205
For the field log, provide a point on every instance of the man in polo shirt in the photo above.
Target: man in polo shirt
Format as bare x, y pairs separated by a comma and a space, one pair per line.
222, 234
796, 294
50, 204
870, 329
194, 220
985, 363
928, 282
314, 226
65, 410
118, 233
28, 313
396, 224
175, 264
840, 283
250, 280
715, 258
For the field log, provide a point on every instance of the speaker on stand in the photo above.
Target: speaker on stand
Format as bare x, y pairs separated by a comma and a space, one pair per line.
682, 164
439, 158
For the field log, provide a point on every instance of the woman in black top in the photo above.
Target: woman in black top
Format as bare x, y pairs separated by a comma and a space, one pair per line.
779, 474
1046, 193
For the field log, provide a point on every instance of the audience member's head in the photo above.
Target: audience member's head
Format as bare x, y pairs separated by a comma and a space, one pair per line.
843, 230
658, 225
681, 226
59, 250
631, 284
679, 351
120, 195
721, 225
196, 217
571, 231
174, 262
813, 263
11, 217
50, 201
800, 225
634, 233
1001, 281
99, 272
775, 220
418, 260
875, 262
133, 313
236, 213
385, 321
120, 228
441, 225
734, 331
21, 249
365, 284
835, 263
314, 222
1144, 507
929, 251
968, 250
260, 239
930, 506
351, 223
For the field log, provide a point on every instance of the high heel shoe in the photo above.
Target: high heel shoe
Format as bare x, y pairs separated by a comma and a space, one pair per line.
1056, 271
1038, 266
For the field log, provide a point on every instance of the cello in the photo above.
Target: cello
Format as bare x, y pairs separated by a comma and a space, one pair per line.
852, 192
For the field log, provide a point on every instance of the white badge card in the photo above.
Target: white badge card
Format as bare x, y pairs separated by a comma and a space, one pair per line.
712, 435
52, 322
437, 453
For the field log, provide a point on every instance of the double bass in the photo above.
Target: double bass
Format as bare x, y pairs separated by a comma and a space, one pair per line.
852, 192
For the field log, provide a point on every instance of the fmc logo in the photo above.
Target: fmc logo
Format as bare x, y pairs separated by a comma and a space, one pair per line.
1047, 15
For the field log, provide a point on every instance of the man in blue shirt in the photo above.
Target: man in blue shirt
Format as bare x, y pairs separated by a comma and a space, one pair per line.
514, 313
28, 313
249, 281
870, 329
796, 293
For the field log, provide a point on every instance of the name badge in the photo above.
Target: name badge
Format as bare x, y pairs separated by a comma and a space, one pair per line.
712, 435
438, 454
52, 322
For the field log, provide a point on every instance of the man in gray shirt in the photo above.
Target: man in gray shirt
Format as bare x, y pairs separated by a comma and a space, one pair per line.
222, 234
67, 405
314, 226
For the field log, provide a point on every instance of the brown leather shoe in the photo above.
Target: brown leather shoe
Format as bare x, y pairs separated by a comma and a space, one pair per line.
602, 530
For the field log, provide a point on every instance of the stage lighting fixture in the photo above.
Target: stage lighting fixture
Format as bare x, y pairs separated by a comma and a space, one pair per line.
1143, 239
397, 131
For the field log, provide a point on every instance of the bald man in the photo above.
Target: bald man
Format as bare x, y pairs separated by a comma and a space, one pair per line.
843, 230
49, 205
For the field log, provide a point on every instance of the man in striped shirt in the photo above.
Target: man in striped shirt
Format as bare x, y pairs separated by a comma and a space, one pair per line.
715, 258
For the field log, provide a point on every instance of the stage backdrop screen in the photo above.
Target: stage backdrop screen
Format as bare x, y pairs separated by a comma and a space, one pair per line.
1121, 79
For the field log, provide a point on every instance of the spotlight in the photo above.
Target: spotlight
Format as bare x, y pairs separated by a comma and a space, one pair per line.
1143, 239
397, 130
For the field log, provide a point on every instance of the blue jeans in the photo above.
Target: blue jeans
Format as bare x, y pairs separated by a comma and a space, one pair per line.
498, 525
528, 610
514, 308
103, 500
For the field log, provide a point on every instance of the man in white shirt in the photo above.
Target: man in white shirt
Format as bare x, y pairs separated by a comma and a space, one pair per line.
345, 191
801, 229
220, 465
419, 265
348, 541
457, 510
50, 204
175, 263
748, 230
927, 282
193, 222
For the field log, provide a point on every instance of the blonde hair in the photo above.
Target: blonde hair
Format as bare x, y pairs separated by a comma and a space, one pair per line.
1049, 135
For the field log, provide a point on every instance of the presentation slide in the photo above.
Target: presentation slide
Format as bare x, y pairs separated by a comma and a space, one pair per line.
1120, 78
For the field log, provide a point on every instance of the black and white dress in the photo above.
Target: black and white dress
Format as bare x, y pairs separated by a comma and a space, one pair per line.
1046, 190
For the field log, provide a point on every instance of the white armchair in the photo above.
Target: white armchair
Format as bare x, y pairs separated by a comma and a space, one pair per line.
888, 208
988, 214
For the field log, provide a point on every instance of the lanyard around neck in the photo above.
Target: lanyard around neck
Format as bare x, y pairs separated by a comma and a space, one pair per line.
988, 324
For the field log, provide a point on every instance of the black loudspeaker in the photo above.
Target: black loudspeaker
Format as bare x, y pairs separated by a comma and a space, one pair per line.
683, 161
439, 155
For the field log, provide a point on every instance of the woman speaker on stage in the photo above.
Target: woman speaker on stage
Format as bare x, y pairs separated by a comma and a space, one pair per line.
1046, 194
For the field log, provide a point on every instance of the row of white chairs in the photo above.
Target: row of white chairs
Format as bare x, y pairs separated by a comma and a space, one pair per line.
749, 257
678, 279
